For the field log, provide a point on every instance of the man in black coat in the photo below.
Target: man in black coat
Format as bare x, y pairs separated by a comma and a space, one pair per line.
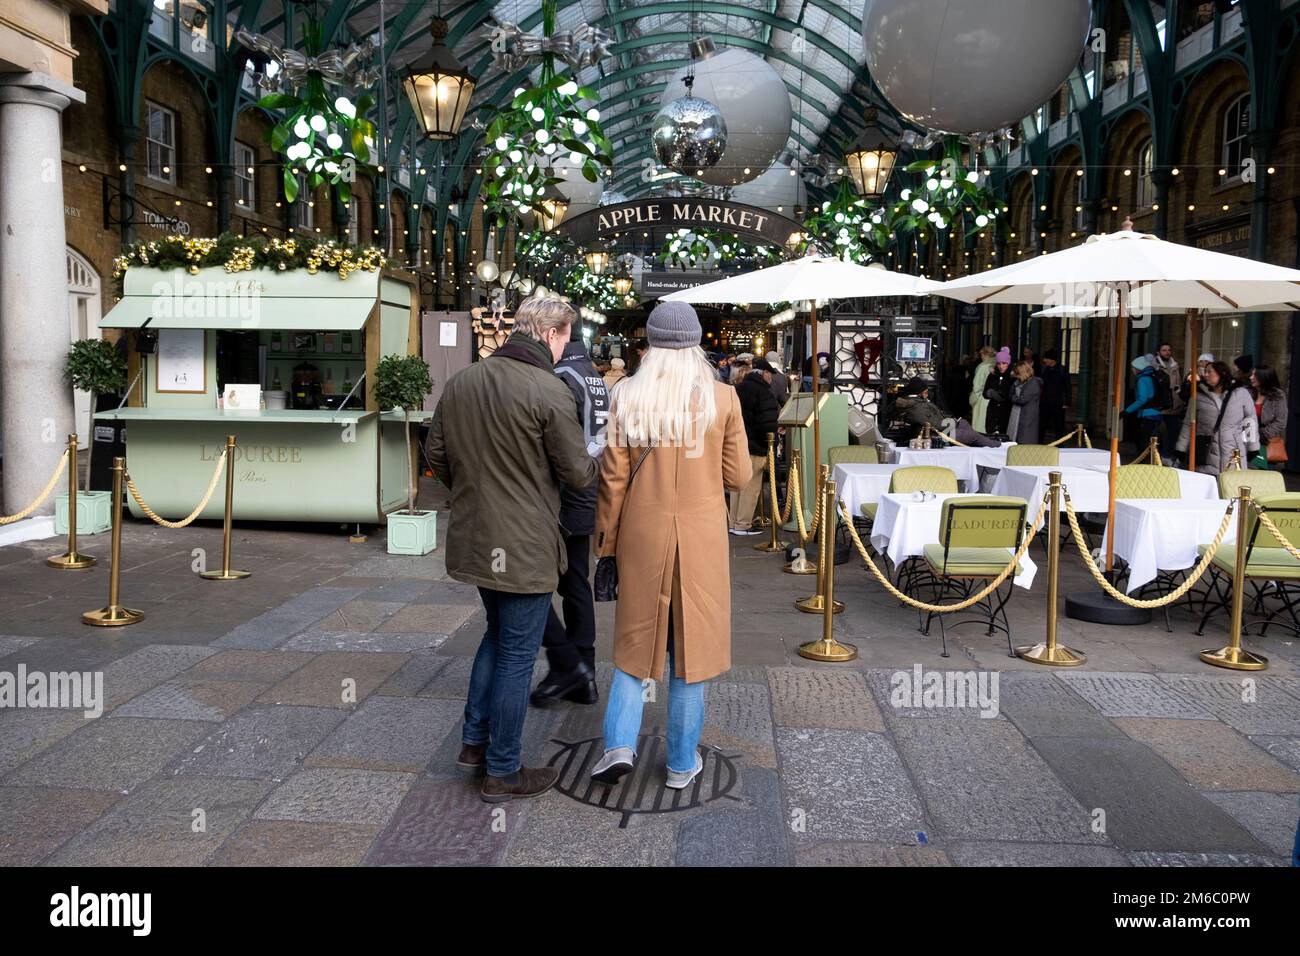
1056, 396
571, 644
759, 409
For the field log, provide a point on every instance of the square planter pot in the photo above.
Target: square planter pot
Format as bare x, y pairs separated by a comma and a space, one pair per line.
94, 512
412, 533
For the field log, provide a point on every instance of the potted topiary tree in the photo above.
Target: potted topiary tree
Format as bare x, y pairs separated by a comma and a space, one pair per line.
97, 367
402, 381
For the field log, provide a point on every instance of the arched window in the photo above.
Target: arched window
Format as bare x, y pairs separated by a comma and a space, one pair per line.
1146, 190
1234, 129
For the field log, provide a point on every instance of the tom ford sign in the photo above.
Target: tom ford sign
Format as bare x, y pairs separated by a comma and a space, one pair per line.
749, 222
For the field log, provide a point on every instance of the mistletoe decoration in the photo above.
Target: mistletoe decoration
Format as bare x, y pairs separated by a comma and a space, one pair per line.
538, 246
325, 134
949, 198
552, 118
594, 291
704, 248
849, 228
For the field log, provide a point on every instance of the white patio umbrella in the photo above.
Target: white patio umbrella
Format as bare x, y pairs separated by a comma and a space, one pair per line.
808, 278
1131, 271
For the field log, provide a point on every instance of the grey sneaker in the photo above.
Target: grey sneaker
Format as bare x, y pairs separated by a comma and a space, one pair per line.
678, 780
614, 765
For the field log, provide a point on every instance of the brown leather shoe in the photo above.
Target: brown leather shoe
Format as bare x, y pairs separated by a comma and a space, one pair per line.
523, 784
473, 757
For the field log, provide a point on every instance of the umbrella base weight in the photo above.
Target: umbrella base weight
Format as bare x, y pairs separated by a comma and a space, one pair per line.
1100, 608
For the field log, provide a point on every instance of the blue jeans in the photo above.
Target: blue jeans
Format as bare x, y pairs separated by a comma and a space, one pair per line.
685, 714
502, 675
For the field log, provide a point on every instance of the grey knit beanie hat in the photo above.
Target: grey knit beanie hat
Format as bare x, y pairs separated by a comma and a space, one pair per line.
673, 325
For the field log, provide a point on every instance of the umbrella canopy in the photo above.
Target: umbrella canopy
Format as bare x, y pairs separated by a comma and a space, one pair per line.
808, 277
1155, 275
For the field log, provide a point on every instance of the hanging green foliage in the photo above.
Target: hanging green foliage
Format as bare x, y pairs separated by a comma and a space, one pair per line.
586, 288
948, 198
849, 228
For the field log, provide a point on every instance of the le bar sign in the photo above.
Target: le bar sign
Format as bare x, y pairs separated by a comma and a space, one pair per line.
750, 222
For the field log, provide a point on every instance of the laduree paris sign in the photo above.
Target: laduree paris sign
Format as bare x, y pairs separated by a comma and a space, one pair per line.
659, 215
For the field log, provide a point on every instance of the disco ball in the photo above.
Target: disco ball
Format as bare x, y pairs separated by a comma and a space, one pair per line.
689, 135
943, 64
755, 105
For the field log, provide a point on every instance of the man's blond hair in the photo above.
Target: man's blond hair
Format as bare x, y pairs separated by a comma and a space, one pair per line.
536, 316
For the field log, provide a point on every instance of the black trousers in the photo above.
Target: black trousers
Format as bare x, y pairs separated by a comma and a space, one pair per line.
574, 639
1051, 420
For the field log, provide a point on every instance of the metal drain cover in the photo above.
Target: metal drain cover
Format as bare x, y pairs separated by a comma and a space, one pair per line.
643, 790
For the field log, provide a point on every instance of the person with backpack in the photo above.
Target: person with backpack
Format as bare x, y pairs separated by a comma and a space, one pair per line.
1153, 394
1171, 415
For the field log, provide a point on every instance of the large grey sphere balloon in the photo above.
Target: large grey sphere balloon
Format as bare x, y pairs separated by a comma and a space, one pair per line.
972, 66
755, 104
689, 135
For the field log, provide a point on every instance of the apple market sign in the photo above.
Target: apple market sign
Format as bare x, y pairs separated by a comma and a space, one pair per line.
658, 216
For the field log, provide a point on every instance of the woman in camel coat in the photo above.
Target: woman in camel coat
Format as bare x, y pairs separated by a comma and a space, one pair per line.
669, 534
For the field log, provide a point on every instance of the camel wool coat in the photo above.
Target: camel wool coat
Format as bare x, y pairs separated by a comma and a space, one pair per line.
669, 534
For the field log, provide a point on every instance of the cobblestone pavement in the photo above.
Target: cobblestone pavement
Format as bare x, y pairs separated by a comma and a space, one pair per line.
310, 715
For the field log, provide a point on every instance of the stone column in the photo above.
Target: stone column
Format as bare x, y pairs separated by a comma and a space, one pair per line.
35, 400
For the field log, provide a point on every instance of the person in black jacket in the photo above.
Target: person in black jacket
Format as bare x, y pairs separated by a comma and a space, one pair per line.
759, 408
571, 644
1056, 396
997, 389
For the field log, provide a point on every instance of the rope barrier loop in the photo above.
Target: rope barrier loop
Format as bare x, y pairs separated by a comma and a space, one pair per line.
45, 493
944, 608
207, 496
1173, 595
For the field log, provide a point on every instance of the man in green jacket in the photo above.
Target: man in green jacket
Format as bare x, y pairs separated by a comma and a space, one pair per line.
505, 437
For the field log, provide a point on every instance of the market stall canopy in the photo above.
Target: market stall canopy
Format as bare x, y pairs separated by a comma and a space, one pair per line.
1156, 275
248, 301
808, 277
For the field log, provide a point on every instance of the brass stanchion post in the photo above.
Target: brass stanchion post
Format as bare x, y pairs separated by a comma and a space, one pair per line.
1153, 453
774, 543
817, 601
1050, 652
71, 560
114, 615
1235, 460
1234, 656
801, 564
1078, 435
828, 649
226, 574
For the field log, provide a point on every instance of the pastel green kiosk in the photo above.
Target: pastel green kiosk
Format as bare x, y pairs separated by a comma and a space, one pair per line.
797, 419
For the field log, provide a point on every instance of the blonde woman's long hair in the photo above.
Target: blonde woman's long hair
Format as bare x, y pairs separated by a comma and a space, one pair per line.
669, 401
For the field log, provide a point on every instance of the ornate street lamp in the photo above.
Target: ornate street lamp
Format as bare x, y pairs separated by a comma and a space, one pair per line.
551, 213
597, 261
439, 87
871, 160
623, 281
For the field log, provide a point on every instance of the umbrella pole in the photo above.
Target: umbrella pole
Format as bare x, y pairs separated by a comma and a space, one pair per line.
1193, 333
1118, 351
816, 380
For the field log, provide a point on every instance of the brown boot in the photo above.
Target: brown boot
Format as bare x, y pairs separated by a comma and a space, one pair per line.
473, 757
524, 783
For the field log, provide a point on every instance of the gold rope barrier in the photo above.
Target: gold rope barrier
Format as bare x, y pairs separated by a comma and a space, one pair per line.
791, 481
1123, 598
1079, 435
929, 430
45, 493
800, 563
946, 608
207, 496
774, 543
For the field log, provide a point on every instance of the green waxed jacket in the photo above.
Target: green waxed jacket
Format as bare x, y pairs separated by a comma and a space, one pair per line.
505, 436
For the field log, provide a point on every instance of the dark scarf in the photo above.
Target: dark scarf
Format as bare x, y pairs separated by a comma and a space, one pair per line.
524, 348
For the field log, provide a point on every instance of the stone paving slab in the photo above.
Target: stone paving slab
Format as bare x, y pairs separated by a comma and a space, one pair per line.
1134, 695
847, 785
428, 567
738, 719
389, 733
982, 781
1147, 805
34, 821
1211, 755
1285, 749
415, 675
452, 681
1042, 706
275, 627
813, 697
294, 843
25, 733
266, 743
10, 644
352, 641
321, 683
888, 686
337, 795
1153, 858
535, 746
1034, 854
446, 823
111, 753
192, 700
869, 854
557, 831
258, 667
67, 654
430, 618
358, 615
158, 825
1253, 704
753, 836
147, 668
1271, 817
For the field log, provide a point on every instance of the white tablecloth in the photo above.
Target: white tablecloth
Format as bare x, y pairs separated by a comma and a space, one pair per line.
859, 484
1089, 490
963, 462
1161, 533
1097, 459
904, 526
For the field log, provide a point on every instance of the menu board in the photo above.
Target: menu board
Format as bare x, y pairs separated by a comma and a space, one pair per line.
182, 361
